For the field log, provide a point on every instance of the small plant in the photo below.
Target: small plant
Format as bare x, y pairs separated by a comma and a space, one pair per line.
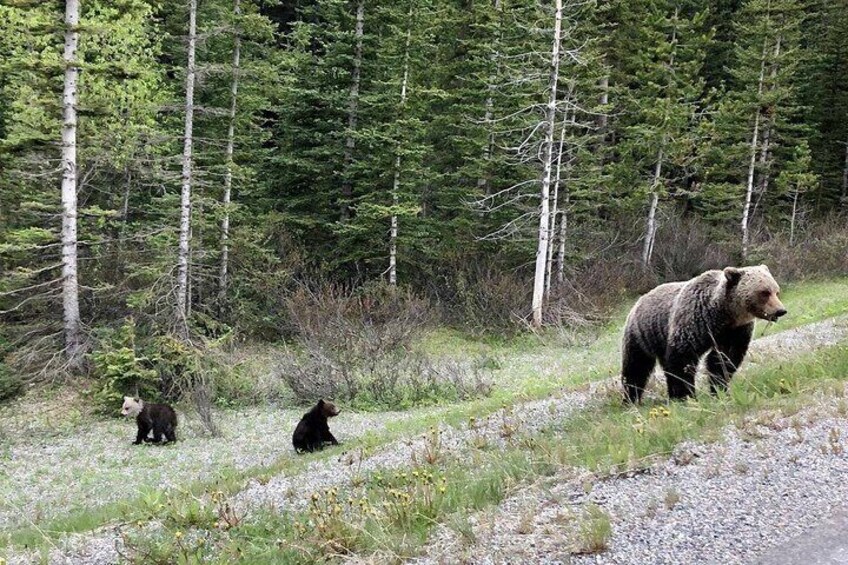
526, 523
227, 516
462, 525
329, 525
595, 531
672, 497
834, 439
431, 452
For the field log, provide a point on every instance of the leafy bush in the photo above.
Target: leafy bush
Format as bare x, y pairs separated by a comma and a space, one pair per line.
357, 346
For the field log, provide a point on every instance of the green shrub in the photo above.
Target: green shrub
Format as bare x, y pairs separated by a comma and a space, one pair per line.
11, 385
120, 371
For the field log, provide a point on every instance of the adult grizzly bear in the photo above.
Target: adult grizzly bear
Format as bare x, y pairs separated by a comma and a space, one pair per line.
676, 323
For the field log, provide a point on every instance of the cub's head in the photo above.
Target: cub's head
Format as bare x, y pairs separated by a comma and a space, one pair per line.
327, 409
753, 293
132, 406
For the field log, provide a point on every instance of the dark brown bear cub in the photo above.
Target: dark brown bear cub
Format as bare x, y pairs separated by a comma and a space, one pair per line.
160, 418
312, 432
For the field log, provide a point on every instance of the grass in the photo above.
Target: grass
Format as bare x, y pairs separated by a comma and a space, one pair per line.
532, 367
390, 516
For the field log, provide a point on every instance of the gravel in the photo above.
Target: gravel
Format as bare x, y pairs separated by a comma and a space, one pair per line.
722, 503
97, 465
47, 475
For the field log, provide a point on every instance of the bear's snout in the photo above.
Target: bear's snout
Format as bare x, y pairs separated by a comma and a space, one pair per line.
779, 313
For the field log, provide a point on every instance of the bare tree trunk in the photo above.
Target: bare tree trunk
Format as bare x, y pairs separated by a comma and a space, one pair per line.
185, 197
765, 153
353, 111
228, 173
651, 228
845, 177
752, 165
70, 282
563, 230
792, 221
483, 184
603, 119
396, 181
554, 202
547, 163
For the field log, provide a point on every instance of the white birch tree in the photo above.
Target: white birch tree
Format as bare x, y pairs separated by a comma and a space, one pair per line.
393, 230
547, 165
187, 166
70, 280
228, 172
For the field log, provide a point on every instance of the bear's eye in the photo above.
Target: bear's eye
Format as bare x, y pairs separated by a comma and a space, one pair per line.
765, 293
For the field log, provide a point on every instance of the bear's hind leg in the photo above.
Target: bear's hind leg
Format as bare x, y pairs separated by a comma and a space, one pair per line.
680, 371
636, 368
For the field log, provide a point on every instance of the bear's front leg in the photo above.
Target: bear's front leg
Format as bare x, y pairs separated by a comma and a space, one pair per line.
143, 430
327, 436
727, 355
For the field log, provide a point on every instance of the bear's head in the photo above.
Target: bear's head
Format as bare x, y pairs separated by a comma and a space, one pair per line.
327, 409
132, 406
753, 293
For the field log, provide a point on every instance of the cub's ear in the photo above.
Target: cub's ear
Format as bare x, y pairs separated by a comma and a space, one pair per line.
732, 274
136, 399
321, 402
764, 266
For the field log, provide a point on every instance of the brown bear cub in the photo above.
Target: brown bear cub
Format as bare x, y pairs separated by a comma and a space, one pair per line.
160, 418
677, 323
312, 432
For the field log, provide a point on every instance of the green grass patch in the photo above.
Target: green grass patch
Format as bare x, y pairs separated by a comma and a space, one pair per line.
391, 514
532, 367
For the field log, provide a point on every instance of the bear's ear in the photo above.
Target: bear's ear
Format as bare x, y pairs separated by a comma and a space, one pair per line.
136, 399
764, 266
732, 274
321, 402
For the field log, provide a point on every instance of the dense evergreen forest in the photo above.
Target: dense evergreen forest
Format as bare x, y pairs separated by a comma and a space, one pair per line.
203, 169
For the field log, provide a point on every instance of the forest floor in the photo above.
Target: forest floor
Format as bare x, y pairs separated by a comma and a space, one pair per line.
551, 468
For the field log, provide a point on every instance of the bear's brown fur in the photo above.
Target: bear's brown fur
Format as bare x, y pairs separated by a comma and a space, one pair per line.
676, 323
313, 430
159, 418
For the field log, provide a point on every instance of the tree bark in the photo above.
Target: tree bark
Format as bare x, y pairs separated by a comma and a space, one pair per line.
845, 177
768, 125
185, 197
792, 221
752, 165
547, 162
554, 203
228, 173
70, 282
651, 228
393, 233
353, 111
603, 118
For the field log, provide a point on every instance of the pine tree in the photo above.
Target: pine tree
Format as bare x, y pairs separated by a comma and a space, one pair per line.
662, 104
